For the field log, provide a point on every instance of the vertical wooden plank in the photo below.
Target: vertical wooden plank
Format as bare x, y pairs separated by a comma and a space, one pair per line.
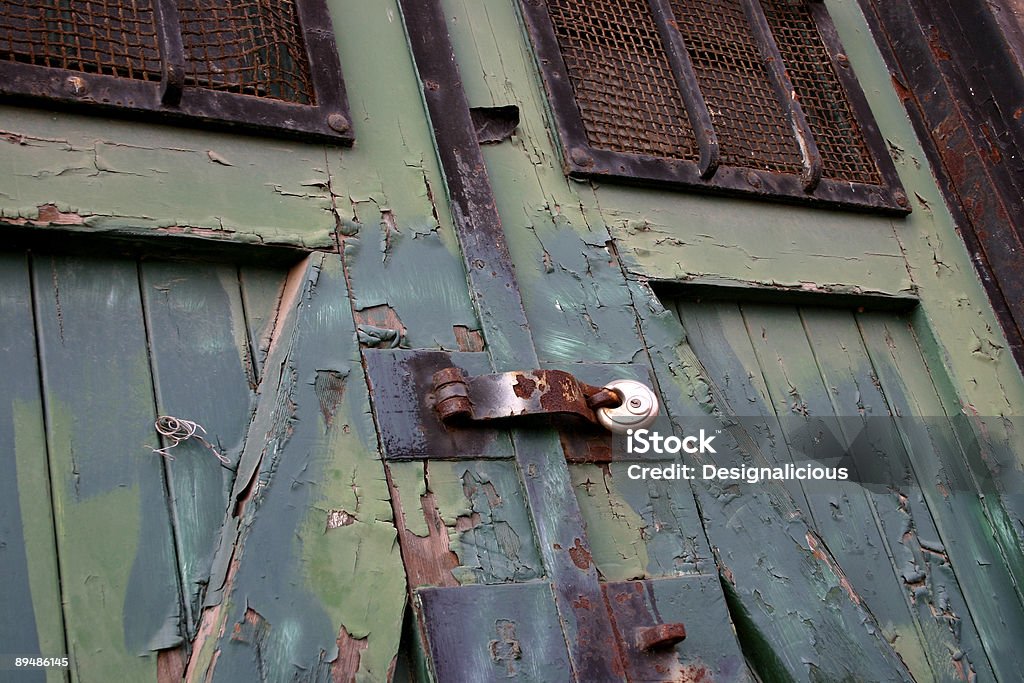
841, 513
30, 588
117, 563
949, 637
710, 329
199, 342
262, 288
313, 586
787, 594
966, 538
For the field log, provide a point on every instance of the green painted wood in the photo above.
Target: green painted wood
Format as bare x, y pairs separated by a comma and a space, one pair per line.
794, 618
261, 295
840, 512
201, 360
949, 637
482, 505
115, 541
316, 550
965, 536
30, 590
714, 326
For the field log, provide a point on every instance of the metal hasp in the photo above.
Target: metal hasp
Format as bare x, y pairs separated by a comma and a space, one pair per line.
618, 406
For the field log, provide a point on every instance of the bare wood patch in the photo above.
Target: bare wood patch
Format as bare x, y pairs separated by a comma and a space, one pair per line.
467, 339
428, 560
350, 651
380, 326
49, 214
170, 665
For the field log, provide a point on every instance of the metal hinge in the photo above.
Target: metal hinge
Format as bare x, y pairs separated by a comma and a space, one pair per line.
618, 406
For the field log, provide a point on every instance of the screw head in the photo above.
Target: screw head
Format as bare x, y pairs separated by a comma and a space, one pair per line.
339, 123
580, 157
76, 85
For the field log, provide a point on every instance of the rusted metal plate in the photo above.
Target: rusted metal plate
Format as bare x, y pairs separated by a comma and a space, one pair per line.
523, 393
400, 381
651, 616
494, 633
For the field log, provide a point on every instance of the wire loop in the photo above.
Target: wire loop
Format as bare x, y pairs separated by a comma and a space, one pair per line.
174, 430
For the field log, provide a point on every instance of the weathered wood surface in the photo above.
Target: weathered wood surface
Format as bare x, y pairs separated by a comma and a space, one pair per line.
30, 588
966, 539
814, 372
384, 201
309, 564
202, 368
115, 541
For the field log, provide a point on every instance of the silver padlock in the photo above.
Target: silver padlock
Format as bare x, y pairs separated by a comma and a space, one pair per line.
638, 410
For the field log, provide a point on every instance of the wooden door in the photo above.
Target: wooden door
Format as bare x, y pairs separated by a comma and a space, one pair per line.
918, 539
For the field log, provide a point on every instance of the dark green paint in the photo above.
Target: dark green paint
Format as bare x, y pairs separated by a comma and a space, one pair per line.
19, 387
814, 626
115, 542
200, 356
965, 536
283, 602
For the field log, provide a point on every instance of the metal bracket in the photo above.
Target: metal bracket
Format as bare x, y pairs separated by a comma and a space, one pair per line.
503, 631
439, 404
457, 398
619, 406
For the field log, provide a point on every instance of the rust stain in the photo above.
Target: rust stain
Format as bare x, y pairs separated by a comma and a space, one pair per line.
935, 44
580, 555
901, 90
506, 649
694, 673
350, 651
994, 154
524, 386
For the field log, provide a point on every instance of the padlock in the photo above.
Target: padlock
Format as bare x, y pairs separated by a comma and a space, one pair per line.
638, 410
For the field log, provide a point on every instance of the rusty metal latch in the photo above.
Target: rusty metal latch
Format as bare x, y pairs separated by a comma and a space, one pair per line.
619, 405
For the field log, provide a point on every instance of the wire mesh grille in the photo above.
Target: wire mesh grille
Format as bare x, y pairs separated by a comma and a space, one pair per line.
253, 48
110, 37
753, 130
844, 153
625, 90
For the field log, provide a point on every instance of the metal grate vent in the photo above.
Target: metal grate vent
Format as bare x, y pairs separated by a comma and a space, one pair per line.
625, 91
844, 153
109, 37
753, 131
250, 48
748, 97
